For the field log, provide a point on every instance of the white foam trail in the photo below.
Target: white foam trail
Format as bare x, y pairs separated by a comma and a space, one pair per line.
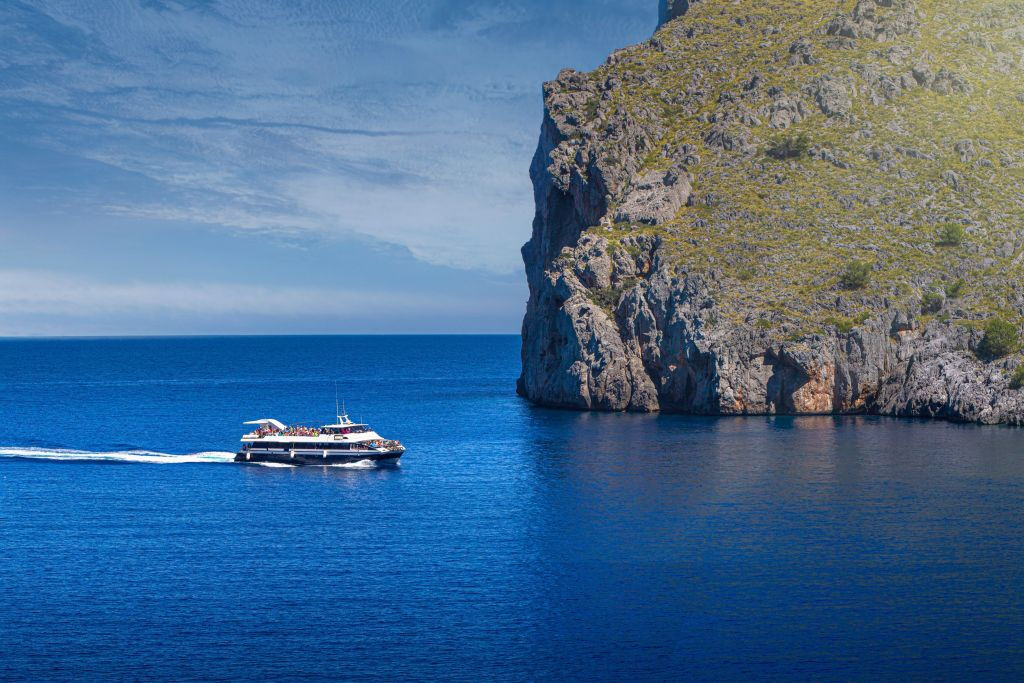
117, 456
271, 464
358, 465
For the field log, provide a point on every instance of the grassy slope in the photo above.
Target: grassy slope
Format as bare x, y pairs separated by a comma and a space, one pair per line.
779, 232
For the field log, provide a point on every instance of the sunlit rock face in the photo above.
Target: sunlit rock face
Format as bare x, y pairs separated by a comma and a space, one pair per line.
780, 207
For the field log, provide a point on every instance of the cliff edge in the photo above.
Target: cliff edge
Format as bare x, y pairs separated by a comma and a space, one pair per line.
779, 207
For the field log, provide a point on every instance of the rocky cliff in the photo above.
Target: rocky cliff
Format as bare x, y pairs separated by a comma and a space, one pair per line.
782, 207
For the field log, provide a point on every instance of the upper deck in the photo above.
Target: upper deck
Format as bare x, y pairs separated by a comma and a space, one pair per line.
343, 430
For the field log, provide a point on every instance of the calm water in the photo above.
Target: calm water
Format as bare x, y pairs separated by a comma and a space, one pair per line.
512, 542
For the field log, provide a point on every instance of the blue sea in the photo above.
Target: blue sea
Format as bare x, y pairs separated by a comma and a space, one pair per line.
511, 543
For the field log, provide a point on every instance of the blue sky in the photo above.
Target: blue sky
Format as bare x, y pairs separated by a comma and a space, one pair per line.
272, 167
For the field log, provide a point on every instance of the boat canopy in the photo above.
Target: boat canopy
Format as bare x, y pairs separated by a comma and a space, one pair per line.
267, 421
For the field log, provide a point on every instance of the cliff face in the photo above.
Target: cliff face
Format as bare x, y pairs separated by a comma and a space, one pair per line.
778, 207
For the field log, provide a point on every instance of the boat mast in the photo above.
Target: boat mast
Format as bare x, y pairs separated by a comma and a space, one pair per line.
341, 414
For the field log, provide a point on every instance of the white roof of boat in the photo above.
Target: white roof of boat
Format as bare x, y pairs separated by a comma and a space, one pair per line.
267, 421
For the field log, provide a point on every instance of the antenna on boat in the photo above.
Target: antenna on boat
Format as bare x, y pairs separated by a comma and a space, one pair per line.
341, 414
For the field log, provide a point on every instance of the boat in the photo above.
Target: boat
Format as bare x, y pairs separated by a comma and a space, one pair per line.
345, 441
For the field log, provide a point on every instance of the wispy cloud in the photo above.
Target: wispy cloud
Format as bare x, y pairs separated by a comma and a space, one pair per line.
411, 123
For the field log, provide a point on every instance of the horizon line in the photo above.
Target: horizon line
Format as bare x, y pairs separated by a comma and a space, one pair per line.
28, 337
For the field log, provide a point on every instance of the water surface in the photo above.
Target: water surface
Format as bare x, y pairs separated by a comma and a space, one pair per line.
512, 543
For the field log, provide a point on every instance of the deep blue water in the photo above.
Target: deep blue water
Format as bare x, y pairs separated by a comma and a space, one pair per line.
512, 543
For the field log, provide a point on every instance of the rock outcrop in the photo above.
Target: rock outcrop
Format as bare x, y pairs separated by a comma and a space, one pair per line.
750, 214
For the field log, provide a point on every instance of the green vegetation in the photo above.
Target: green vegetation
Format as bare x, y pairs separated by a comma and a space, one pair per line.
745, 274
856, 275
841, 323
609, 297
791, 147
844, 324
1017, 378
1001, 338
956, 289
931, 302
893, 181
951, 235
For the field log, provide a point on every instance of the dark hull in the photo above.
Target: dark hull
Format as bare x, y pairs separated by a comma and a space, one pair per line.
337, 458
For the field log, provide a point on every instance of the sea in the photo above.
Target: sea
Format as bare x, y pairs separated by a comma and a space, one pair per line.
512, 542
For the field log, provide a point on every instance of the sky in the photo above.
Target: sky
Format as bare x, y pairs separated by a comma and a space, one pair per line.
267, 167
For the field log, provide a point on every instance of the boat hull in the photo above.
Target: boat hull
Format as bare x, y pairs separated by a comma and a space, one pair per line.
318, 457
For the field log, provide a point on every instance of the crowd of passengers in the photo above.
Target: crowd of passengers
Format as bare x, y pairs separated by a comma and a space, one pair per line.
302, 431
288, 431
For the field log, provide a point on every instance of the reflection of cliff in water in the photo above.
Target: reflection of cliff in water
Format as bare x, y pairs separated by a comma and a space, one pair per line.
663, 524
683, 475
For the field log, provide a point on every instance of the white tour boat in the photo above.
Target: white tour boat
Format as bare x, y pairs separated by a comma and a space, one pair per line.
343, 442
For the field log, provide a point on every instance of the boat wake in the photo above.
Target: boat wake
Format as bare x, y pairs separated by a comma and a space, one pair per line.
30, 453
115, 456
358, 465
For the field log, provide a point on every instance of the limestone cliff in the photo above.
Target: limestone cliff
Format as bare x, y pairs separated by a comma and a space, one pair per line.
781, 207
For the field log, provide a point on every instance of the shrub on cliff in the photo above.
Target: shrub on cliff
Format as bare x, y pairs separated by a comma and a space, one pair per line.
791, 147
932, 302
856, 275
951, 235
1001, 338
1017, 378
956, 289
841, 323
608, 298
